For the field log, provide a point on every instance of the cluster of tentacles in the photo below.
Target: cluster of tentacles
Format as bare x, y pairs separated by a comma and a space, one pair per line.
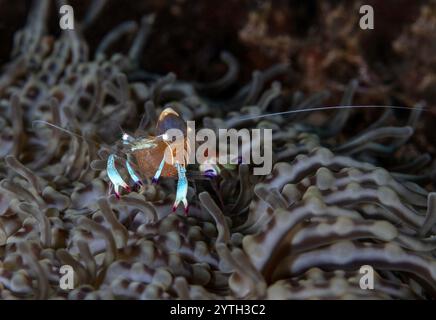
302, 232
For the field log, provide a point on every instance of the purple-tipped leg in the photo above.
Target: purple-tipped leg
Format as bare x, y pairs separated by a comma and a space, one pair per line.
158, 172
133, 175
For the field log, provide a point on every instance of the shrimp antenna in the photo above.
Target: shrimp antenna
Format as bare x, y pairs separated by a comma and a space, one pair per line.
69, 132
329, 108
124, 134
61, 129
74, 134
122, 130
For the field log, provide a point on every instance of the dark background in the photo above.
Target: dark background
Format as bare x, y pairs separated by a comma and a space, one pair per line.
321, 40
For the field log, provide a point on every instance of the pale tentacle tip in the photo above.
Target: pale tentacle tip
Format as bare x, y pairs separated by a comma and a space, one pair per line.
210, 173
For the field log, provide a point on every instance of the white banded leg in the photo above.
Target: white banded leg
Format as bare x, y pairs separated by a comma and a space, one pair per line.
133, 174
115, 177
182, 188
159, 171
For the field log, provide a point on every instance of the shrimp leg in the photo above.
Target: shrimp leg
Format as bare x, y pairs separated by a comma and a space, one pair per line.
115, 177
182, 188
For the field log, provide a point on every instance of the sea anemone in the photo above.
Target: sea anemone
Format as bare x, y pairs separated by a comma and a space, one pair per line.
335, 201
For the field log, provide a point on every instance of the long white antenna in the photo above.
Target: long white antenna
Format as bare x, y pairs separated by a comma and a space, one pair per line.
328, 108
59, 128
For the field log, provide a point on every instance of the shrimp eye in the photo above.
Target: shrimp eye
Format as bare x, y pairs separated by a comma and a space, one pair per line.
126, 138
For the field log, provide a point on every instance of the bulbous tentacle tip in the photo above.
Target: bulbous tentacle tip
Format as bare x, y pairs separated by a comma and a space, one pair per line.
186, 210
154, 180
128, 189
210, 174
174, 208
117, 195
